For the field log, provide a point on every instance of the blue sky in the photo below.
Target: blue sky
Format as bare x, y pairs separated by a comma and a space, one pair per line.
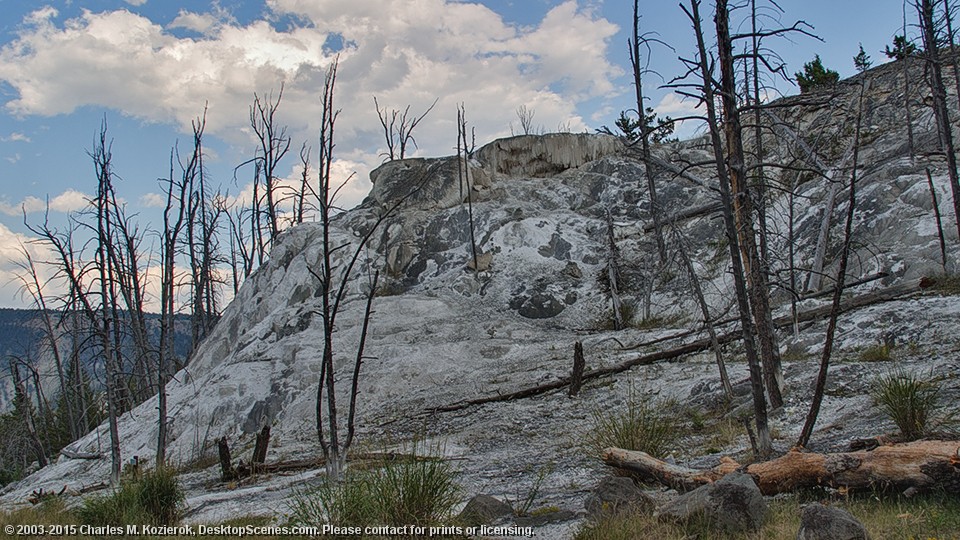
149, 66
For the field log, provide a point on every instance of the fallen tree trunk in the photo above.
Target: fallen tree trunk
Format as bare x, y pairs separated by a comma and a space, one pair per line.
883, 295
921, 465
80, 455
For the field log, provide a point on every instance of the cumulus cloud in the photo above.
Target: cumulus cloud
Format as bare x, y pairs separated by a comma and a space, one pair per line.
70, 200
406, 52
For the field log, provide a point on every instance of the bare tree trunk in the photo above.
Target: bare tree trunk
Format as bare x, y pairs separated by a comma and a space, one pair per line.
757, 286
922, 465
838, 290
939, 93
705, 311
936, 215
747, 327
645, 134
576, 376
613, 274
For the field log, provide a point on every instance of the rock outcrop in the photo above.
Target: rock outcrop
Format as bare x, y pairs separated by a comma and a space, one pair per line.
443, 332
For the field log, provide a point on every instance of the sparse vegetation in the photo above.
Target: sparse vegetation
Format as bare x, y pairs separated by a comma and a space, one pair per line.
881, 352
155, 497
910, 400
931, 516
413, 489
645, 424
947, 284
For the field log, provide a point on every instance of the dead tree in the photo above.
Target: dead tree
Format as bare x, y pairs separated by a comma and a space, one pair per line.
727, 166
645, 130
33, 287
273, 145
25, 408
838, 289
931, 55
525, 117
398, 128
201, 229
337, 267
921, 465
705, 311
465, 151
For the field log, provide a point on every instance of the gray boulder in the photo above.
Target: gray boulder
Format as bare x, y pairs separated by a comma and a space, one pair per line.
617, 494
819, 522
484, 510
733, 504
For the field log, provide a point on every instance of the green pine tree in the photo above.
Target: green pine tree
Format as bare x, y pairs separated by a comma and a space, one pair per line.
901, 48
862, 60
815, 76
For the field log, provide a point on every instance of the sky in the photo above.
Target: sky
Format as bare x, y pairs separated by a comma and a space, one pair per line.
150, 67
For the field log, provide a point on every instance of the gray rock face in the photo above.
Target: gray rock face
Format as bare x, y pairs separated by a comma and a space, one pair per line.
617, 494
484, 510
545, 155
733, 504
819, 522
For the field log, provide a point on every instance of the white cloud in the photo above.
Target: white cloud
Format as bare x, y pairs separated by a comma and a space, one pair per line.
153, 200
15, 137
136, 2
406, 52
69, 201
677, 106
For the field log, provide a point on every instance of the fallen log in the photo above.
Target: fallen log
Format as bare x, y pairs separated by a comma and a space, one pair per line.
883, 295
80, 455
919, 465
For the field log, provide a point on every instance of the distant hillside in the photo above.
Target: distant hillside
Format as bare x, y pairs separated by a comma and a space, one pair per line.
22, 336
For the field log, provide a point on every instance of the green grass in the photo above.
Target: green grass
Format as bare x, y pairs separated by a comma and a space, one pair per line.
922, 517
911, 401
645, 425
416, 488
155, 497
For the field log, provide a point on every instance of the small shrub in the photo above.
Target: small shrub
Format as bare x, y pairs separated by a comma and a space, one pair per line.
644, 425
909, 400
156, 498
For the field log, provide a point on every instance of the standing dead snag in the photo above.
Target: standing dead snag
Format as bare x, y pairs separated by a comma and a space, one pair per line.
931, 54
576, 376
724, 164
398, 128
838, 289
645, 130
337, 264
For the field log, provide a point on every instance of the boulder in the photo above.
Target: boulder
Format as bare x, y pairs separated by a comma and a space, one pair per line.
819, 522
617, 494
484, 510
733, 504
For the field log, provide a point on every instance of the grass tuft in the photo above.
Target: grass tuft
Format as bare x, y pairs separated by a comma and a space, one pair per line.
417, 488
155, 498
911, 401
645, 425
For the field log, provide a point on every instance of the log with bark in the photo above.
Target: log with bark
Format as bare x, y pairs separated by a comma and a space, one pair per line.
920, 465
